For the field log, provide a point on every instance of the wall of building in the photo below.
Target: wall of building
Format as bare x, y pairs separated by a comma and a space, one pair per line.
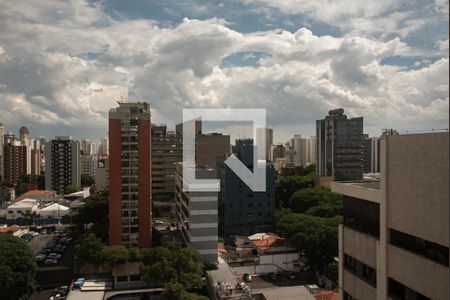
417, 173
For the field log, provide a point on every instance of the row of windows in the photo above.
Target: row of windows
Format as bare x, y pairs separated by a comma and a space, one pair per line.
362, 215
360, 270
347, 296
430, 250
398, 291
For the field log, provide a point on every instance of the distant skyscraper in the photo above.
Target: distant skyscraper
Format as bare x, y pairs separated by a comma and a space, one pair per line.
301, 147
24, 133
2, 140
88, 165
62, 164
338, 148
130, 178
103, 148
371, 155
312, 150
267, 133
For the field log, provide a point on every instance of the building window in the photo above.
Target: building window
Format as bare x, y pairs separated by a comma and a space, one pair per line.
360, 270
362, 215
347, 296
122, 278
430, 250
135, 277
398, 291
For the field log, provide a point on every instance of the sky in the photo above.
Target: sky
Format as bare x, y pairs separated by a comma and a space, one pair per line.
64, 64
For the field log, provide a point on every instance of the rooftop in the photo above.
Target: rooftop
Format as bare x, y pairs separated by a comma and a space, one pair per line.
298, 292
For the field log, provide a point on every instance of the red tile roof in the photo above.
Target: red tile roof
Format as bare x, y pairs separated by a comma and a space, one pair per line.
12, 228
35, 193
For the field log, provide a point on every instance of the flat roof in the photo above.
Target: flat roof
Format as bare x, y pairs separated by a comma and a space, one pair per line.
223, 274
88, 295
298, 292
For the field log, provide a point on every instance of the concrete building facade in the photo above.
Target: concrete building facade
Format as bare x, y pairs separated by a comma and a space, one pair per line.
62, 164
394, 241
197, 215
130, 175
338, 148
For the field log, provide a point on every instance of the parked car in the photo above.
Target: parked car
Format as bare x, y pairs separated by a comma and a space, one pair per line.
54, 255
58, 297
273, 276
247, 277
59, 248
41, 257
46, 250
50, 261
64, 289
79, 282
291, 276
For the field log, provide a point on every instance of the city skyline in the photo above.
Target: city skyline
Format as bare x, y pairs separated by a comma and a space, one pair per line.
386, 61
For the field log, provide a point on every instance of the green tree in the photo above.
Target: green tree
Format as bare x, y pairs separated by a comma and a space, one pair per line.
4, 194
310, 170
176, 291
90, 250
87, 181
316, 201
115, 255
17, 268
165, 264
281, 213
318, 237
287, 186
94, 213
72, 189
134, 254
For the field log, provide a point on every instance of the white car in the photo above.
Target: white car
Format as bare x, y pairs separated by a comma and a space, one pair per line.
58, 297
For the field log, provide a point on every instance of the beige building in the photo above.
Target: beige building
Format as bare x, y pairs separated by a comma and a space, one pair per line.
394, 241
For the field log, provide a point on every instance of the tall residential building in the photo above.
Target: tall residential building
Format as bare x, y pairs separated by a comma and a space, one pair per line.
371, 155
394, 241
267, 135
2, 141
102, 174
312, 150
130, 178
35, 157
15, 161
301, 147
103, 148
88, 165
277, 151
24, 133
338, 148
197, 214
244, 211
165, 155
62, 164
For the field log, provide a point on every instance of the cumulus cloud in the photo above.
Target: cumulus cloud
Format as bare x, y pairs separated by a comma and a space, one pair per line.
68, 69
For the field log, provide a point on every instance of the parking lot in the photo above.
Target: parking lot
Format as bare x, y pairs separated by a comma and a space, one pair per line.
38, 242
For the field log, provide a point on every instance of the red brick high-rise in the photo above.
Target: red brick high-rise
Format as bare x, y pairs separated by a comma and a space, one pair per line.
130, 221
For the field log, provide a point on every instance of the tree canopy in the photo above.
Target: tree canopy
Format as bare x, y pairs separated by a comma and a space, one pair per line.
17, 268
318, 237
90, 250
317, 202
176, 291
115, 255
288, 185
95, 212
162, 265
87, 181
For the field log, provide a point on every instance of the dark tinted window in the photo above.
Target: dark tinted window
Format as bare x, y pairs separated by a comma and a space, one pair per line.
360, 270
362, 215
399, 291
430, 250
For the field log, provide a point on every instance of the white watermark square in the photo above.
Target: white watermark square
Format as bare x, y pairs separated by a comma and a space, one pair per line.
255, 180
